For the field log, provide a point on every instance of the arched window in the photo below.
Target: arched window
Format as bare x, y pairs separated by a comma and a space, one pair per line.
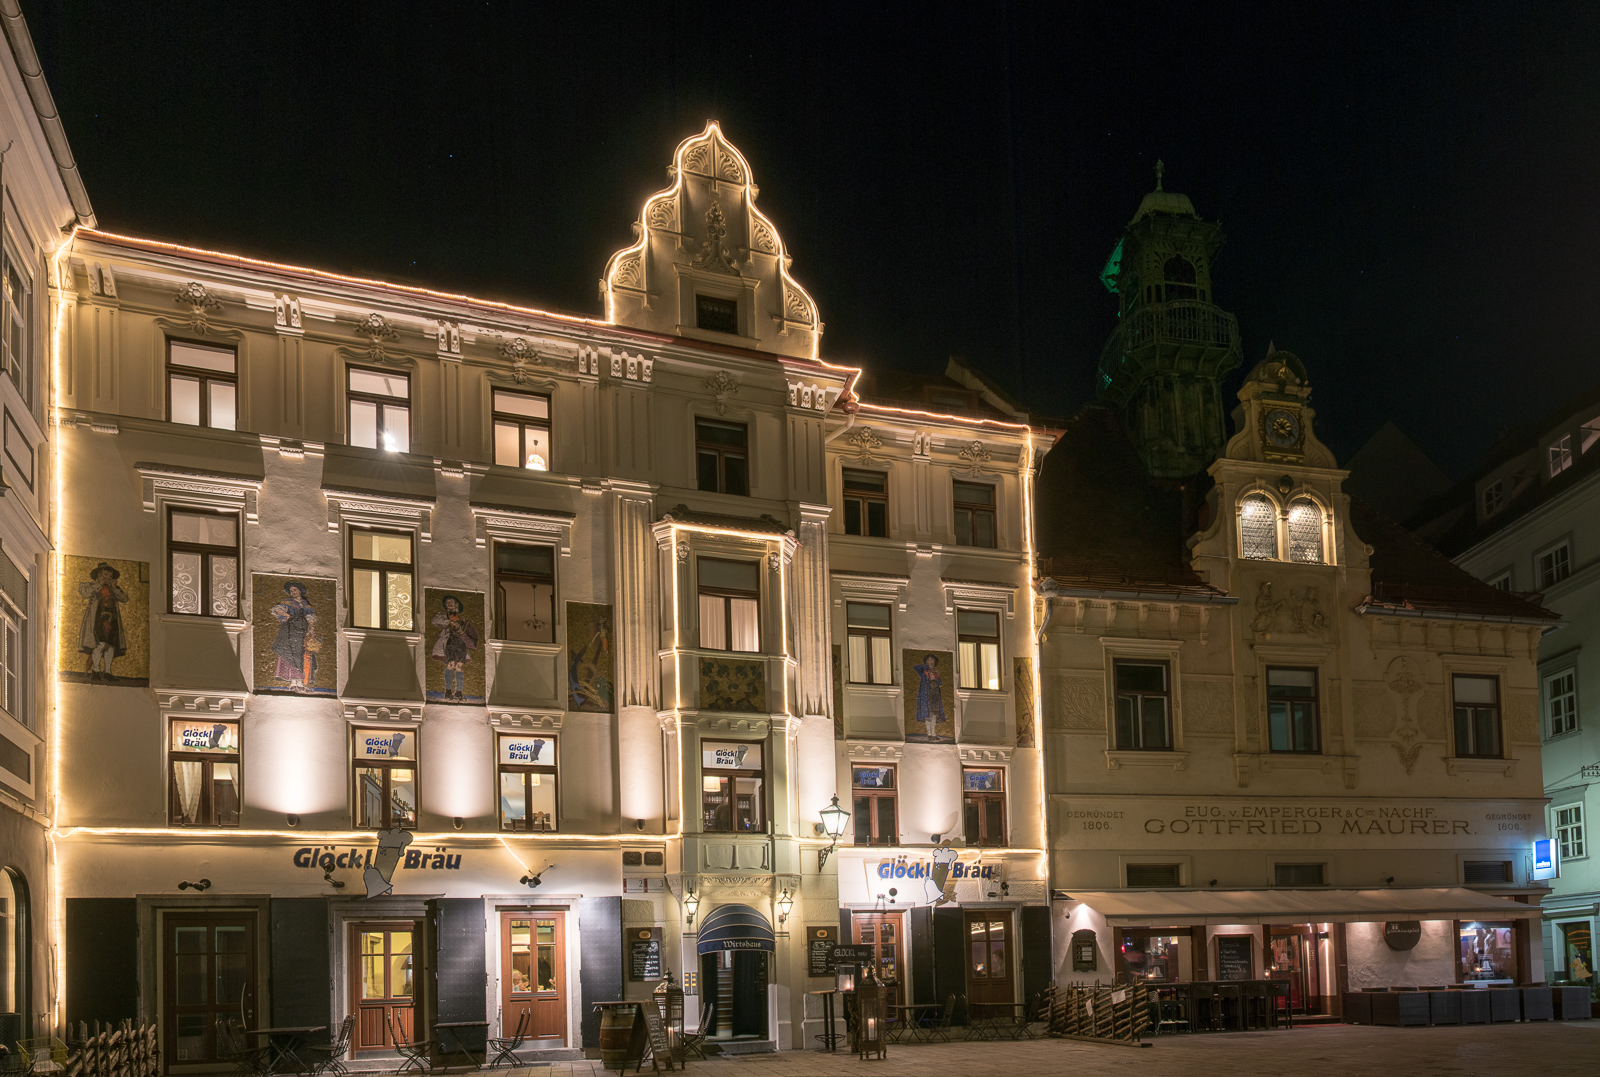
1258, 528
1305, 531
15, 945
1179, 272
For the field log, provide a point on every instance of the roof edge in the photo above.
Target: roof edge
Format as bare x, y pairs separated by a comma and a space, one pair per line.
44, 108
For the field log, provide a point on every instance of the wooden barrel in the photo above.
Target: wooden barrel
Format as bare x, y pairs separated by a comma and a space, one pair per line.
617, 1033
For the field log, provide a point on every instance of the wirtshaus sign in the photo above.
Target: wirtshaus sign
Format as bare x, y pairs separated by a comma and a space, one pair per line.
1235, 822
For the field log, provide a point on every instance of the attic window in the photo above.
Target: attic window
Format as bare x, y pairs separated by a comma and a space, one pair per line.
716, 314
1258, 528
1591, 434
1560, 456
1494, 497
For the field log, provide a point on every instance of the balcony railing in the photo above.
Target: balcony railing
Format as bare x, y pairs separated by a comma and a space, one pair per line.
1182, 322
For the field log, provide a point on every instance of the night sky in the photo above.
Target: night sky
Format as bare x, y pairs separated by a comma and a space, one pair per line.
1409, 192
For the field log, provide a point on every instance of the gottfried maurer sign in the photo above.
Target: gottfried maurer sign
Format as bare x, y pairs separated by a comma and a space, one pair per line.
1356, 822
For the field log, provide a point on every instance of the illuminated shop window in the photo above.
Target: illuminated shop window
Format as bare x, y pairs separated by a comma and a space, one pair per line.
870, 643
203, 562
873, 789
1477, 714
1577, 943
381, 585
978, 655
866, 503
983, 805
1258, 528
522, 430
730, 605
203, 772
732, 787
974, 514
385, 765
527, 777
525, 592
1488, 951
722, 457
380, 409
202, 385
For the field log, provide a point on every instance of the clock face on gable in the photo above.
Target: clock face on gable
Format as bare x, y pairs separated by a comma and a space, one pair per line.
1281, 432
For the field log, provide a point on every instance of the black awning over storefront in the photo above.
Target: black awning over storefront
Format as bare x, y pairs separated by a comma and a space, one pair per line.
735, 927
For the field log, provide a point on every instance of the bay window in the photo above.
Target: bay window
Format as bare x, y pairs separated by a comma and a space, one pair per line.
730, 605
732, 787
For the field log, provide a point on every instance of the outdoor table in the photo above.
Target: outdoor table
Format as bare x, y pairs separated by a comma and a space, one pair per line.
285, 1044
991, 1020
917, 1019
828, 1037
455, 1028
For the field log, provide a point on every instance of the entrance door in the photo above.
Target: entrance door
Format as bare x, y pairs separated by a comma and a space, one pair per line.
533, 977
883, 932
208, 984
382, 982
989, 956
1292, 956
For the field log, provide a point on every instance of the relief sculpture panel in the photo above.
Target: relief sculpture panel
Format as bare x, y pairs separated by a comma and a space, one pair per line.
1082, 703
1207, 707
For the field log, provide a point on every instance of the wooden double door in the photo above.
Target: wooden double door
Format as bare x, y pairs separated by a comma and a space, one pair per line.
383, 982
989, 958
208, 975
533, 974
885, 933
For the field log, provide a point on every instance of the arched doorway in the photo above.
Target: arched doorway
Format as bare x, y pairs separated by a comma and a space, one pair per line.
734, 944
16, 948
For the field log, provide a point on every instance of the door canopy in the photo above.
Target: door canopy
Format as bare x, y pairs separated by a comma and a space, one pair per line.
735, 927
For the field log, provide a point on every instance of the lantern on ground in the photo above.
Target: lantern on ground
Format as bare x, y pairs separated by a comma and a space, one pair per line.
870, 1015
669, 1000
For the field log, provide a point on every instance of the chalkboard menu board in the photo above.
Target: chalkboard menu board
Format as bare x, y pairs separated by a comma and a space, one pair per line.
659, 1047
644, 953
820, 942
1233, 957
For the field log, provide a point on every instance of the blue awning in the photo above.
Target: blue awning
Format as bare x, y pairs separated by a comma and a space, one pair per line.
735, 927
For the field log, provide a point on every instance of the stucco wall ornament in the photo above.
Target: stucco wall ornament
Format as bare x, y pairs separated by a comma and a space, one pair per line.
198, 298
521, 353
376, 328
722, 385
975, 456
713, 255
683, 554
865, 440
1403, 680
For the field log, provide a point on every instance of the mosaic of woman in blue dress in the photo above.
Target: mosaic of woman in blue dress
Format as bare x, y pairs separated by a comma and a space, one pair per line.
930, 701
297, 643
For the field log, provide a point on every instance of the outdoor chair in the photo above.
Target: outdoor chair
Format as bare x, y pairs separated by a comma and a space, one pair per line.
505, 1047
415, 1052
330, 1056
939, 1029
233, 1046
694, 1043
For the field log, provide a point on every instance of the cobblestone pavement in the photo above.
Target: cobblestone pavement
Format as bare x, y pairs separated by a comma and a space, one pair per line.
1542, 1048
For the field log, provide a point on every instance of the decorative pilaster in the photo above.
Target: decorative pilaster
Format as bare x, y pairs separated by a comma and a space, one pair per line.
813, 635
636, 593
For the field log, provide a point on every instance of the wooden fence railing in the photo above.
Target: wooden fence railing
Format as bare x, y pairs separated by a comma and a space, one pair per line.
1105, 1014
125, 1050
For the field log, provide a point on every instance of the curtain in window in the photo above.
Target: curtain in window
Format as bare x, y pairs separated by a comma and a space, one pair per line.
746, 624
713, 627
186, 776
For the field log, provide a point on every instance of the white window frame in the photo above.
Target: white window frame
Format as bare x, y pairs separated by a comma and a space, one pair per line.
1571, 719
1563, 547
1570, 833
1560, 454
1493, 498
19, 369
383, 403
1590, 431
1500, 581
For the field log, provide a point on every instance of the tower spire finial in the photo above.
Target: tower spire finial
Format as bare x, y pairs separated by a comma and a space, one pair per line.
1161, 169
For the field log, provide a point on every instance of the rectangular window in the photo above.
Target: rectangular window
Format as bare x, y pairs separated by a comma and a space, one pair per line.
1143, 875
527, 775
873, 789
867, 628
18, 451
203, 772
978, 659
1494, 497
1561, 702
866, 503
730, 605
202, 385
716, 314
974, 509
1569, 831
380, 409
16, 340
522, 430
1590, 434
1297, 875
1477, 705
1144, 705
1501, 582
1554, 566
203, 562
1561, 455
732, 788
381, 585
385, 763
1292, 709
722, 457
983, 803
13, 664
525, 593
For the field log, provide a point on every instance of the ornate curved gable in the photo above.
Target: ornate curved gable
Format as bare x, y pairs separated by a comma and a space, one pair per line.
707, 263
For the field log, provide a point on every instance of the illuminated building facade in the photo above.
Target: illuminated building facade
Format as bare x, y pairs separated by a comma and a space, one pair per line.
41, 199
1274, 721
428, 659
